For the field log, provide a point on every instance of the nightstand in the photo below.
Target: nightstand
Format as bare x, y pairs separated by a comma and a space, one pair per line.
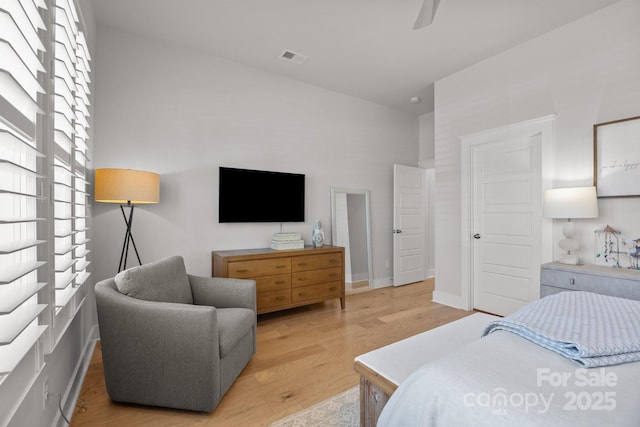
617, 282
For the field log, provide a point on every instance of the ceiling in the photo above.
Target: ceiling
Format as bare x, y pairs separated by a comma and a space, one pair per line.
364, 48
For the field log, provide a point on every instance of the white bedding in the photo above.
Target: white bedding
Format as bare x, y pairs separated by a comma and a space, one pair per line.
505, 380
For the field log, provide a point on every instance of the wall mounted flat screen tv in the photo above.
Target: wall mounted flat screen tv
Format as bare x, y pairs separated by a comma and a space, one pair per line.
260, 196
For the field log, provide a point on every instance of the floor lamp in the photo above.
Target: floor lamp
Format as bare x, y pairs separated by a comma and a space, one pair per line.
568, 203
127, 187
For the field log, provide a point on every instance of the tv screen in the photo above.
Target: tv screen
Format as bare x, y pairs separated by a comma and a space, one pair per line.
260, 196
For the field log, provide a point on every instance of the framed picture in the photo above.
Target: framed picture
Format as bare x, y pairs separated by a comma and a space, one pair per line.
616, 157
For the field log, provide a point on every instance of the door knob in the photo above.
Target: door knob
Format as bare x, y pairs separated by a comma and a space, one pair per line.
396, 231
476, 236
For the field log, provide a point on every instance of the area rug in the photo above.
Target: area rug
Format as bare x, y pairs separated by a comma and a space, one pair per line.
341, 410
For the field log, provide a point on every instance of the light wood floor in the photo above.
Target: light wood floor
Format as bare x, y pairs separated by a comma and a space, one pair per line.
305, 355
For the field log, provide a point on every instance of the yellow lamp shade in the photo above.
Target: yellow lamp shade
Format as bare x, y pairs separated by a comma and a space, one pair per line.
126, 186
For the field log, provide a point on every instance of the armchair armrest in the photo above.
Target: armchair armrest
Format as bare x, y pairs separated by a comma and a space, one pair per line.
223, 292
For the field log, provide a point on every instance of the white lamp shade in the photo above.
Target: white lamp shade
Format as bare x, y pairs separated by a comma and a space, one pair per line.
126, 185
576, 202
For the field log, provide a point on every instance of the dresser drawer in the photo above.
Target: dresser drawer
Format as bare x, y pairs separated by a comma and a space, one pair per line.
315, 262
323, 290
273, 283
312, 277
554, 280
273, 299
260, 267
562, 279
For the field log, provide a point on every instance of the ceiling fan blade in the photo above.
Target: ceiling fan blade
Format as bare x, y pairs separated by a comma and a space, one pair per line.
426, 14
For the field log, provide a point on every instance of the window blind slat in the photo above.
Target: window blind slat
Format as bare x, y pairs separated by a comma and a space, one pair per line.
24, 23
62, 36
23, 291
65, 57
31, 11
84, 51
62, 89
17, 271
62, 19
18, 320
63, 124
13, 64
12, 145
18, 245
14, 37
14, 97
62, 72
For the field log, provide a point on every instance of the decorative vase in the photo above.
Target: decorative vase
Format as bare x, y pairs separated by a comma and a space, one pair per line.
317, 235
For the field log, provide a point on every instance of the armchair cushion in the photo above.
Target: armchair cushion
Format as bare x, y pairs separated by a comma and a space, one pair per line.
163, 281
233, 324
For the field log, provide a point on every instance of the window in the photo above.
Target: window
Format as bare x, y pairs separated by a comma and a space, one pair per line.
44, 210
21, 93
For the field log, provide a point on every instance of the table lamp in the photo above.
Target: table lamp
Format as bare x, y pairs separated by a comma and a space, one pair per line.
127, 187
577, 202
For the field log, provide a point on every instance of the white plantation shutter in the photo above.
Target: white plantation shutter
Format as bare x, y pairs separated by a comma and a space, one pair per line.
81, 206
70, 135
21, 48
44, 151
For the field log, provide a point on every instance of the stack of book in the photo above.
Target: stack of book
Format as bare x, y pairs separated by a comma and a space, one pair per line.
287, 241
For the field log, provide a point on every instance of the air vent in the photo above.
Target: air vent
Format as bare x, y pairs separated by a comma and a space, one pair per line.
297, 58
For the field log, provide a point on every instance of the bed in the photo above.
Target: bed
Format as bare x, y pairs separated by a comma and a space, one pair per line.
506, 379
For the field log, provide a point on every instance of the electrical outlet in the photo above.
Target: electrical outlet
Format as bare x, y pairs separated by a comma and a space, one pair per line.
45, 393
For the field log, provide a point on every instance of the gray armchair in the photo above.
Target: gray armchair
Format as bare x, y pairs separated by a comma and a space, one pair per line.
172, 339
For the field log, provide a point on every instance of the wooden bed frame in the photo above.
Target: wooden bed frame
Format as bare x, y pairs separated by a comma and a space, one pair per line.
382, 370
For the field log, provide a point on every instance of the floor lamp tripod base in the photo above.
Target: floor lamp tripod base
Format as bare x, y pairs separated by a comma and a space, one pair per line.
128, 239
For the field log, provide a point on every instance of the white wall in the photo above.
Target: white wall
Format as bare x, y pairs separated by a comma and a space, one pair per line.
426, 125
585, 73
427, 161
182, 113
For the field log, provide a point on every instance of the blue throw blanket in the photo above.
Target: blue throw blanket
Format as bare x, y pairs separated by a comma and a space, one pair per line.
590, 329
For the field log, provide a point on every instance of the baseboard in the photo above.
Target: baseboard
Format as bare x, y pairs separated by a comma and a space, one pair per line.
75, 386
448, 299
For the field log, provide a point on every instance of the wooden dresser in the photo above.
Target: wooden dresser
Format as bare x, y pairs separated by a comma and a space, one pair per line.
617, 282
286, 278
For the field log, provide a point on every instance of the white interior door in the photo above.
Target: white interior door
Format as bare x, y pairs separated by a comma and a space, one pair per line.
507, 216
409, 224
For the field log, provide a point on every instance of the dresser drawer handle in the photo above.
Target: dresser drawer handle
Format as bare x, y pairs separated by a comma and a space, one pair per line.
281, 266
572, 281
333, 288
332, 275
333, 260
280, 282
280, 298
301, 294
302, 264
242, 270
302, 279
